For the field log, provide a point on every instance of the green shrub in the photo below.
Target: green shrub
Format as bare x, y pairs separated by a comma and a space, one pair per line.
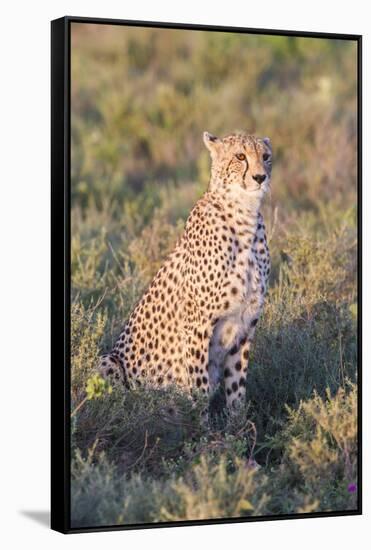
87, 328
208, 490
319, 454
101, 496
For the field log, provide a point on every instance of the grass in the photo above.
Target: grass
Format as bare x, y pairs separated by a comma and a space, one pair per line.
140, 101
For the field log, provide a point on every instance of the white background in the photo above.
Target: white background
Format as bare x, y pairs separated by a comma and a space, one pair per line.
24, 271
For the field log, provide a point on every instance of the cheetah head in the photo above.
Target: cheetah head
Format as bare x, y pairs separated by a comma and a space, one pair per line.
240, 161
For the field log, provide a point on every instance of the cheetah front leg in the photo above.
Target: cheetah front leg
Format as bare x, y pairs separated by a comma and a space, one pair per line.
235, 371
197, 358
237, 359
229, 356
230, 350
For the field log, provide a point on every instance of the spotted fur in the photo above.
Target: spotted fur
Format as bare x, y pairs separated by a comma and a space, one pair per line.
195, 323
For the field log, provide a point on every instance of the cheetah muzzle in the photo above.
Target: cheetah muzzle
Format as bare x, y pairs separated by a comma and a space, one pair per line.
195, 323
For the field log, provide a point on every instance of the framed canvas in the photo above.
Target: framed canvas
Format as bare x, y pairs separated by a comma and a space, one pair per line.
206, 261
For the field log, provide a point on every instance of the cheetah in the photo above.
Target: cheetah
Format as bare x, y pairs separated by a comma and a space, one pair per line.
195, 323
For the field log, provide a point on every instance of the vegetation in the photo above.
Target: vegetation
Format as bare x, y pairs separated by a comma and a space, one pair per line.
140, 101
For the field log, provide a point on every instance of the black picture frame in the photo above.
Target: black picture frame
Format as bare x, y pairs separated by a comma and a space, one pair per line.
61, 258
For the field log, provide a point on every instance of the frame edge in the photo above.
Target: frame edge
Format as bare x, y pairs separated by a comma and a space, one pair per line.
60, 504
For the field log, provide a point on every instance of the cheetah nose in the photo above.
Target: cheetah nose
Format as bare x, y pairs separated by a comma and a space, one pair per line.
259, 178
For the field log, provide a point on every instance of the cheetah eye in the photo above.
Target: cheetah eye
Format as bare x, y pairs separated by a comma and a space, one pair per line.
241, 156
266, 156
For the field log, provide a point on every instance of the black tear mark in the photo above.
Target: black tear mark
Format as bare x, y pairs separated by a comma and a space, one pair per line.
245, 171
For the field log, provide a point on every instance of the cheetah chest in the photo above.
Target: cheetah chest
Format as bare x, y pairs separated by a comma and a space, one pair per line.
248, 275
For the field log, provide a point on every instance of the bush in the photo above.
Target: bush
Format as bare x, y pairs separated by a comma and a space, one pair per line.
100, 496
322, 448
225, 489
319, 454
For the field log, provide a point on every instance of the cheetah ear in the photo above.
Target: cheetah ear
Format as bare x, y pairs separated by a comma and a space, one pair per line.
267, 142
213, 143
